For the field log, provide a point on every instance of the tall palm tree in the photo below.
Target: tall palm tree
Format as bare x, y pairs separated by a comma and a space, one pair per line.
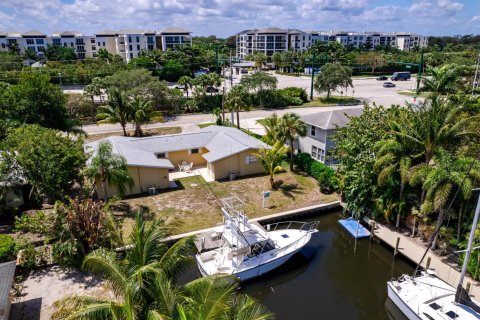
439, 178
442, 80
271, 159
116, 111
110, 167
144, 283
185, 81
143, 113
292, 128
237, 100
393, 161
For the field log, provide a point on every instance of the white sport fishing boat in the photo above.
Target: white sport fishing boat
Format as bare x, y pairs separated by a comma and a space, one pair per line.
426, 297
245, 249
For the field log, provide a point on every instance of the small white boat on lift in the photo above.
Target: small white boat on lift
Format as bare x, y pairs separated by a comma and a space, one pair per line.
245, 249
426, 297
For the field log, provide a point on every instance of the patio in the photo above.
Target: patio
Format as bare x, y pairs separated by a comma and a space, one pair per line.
196, 170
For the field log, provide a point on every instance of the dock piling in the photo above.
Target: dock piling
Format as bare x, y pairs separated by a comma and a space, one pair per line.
396, 246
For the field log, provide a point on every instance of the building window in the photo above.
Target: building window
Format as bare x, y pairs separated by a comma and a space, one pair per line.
41, 49
39, 41
130, 47
312, 130
131, 55
94, 48
138, 39
251, 159
314, 152
138, 47
30, 41
92, 40
99, 44
12, 41
81, 55
104, 44
94, 54
129, 39
161, 155
56, 41
194, 151
150, 47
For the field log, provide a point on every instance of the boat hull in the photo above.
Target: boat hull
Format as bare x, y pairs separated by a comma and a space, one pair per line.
409, 313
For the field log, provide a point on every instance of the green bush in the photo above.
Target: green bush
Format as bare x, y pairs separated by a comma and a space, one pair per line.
295, 92
7, 248
38, 222
325, 175
270, 99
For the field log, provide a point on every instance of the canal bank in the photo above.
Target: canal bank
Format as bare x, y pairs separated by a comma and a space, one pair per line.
445, 269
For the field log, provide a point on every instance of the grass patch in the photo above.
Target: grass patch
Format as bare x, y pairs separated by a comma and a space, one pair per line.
146, 133
253, 134
206, 124
194, 207
413, 93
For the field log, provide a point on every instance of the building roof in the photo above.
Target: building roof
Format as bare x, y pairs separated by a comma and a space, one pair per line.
106, 33
333, 119
7, 272
34, 33
221, 142
174, 30
272, 30
67, 34
134, 31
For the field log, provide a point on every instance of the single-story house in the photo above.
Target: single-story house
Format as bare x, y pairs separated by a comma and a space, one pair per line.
218, 152
321, 127
7, 273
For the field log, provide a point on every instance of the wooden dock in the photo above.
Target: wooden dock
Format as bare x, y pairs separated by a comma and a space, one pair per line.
444, 268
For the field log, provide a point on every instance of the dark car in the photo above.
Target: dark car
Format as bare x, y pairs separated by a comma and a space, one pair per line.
382, 78
211, 89
388, 85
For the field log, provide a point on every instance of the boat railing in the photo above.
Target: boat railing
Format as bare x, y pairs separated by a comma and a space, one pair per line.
299, 225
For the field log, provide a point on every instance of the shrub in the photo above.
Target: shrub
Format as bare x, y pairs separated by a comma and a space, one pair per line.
271, 99
38, 222
325, 175
7, 248
295, 92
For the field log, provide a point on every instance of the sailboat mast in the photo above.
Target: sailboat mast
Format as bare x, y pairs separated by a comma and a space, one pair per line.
469, 246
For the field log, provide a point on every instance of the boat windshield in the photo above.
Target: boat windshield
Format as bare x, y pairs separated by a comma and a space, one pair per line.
260, 248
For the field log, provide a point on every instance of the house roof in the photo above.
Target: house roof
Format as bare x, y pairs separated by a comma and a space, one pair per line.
134, 31
333, 119
221, 142
67, 34
174, 30
7, 272
272, 30
34, 33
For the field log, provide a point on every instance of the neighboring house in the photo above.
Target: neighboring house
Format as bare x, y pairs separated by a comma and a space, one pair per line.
321, 127
217, 152
7, 273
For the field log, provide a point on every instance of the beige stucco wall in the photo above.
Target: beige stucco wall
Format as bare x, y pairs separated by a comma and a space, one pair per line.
143, 178
176, 157
237, 163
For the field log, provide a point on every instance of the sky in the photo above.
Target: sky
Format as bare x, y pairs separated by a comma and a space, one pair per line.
224, 18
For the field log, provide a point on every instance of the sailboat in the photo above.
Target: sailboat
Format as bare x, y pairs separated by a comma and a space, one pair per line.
247, 250
427, 297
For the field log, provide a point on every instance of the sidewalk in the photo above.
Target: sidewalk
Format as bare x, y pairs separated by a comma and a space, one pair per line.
444, 268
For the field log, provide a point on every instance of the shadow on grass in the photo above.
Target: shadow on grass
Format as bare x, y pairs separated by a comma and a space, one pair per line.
289, 190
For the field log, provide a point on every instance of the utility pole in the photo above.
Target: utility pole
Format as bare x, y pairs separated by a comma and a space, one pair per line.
216, 59
313, 75
60, 79
476, 77
420, 67
231, 71
223, 104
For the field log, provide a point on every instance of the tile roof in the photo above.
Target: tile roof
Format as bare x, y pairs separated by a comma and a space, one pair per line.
7, 272
333, 119
174, 30
221, 142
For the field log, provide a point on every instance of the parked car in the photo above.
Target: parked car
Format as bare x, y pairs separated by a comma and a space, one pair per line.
244, 71
180, 86
211, 89
401, 76
382, 78
388, 85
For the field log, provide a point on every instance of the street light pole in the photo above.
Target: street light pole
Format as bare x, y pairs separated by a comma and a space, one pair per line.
313, 75
419, 74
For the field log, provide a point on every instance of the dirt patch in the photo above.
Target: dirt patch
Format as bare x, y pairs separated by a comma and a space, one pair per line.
43, 287
194, 207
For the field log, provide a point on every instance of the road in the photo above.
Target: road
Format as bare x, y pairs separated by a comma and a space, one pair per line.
367, 89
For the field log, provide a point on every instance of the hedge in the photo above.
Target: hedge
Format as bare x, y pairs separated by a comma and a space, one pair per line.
7, 248
325, 175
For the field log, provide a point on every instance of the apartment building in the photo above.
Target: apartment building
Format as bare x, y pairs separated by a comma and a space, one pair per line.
171, 37
265, 40
126, 43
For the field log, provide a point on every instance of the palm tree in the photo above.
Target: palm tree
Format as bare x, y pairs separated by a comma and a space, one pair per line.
442, 80
237, 100
215, 81
142, 113
185, 81
439, 177
292, 128
144, 283
272, 129
259, 58
271, 159
393, 162
116, 111
110, 167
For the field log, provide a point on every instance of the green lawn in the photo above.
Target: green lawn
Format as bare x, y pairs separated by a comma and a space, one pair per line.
333, 101
414, 94
146, 132
206, 124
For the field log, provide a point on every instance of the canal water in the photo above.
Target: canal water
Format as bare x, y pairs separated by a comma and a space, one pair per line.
335, 277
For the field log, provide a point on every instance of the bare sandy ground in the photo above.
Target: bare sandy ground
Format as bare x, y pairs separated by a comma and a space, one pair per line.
43, 287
